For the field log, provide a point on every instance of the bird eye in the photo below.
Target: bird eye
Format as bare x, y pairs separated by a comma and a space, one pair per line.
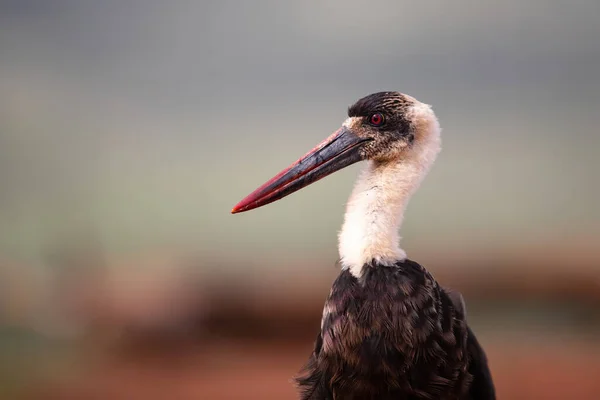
376, 119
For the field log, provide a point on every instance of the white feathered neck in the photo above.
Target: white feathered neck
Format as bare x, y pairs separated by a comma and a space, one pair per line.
376, 207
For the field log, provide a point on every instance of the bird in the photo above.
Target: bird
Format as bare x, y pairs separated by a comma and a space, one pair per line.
388, 330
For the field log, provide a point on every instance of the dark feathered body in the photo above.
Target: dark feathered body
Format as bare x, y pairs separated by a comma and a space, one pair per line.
394, 333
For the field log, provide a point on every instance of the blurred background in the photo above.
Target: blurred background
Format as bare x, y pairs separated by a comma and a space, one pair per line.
128, 130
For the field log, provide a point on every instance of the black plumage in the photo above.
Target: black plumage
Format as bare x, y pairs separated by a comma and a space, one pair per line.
395, 333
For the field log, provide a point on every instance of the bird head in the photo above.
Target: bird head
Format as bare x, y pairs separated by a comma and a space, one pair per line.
382, 127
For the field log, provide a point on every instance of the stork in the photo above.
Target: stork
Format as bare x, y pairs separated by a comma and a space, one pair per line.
388, 330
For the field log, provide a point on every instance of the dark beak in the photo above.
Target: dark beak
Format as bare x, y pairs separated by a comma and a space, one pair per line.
339, 150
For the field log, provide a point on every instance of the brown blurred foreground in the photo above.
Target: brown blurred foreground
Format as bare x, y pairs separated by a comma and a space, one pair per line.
155, 334
263, 371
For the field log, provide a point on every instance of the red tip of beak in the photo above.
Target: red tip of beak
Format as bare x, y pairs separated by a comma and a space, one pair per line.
253, 200
334, 153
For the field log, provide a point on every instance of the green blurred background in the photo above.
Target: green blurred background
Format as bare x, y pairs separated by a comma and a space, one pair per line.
128, 130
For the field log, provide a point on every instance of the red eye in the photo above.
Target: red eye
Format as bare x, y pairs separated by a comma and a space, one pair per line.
376, 119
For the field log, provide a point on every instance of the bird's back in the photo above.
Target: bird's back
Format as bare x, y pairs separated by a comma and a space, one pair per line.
392, 334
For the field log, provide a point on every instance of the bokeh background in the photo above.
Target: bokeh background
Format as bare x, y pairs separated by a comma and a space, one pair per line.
128, 130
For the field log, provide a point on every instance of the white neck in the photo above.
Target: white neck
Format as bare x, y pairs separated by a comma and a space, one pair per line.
376, 207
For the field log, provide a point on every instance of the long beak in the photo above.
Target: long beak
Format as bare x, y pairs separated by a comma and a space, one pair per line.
334, 153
